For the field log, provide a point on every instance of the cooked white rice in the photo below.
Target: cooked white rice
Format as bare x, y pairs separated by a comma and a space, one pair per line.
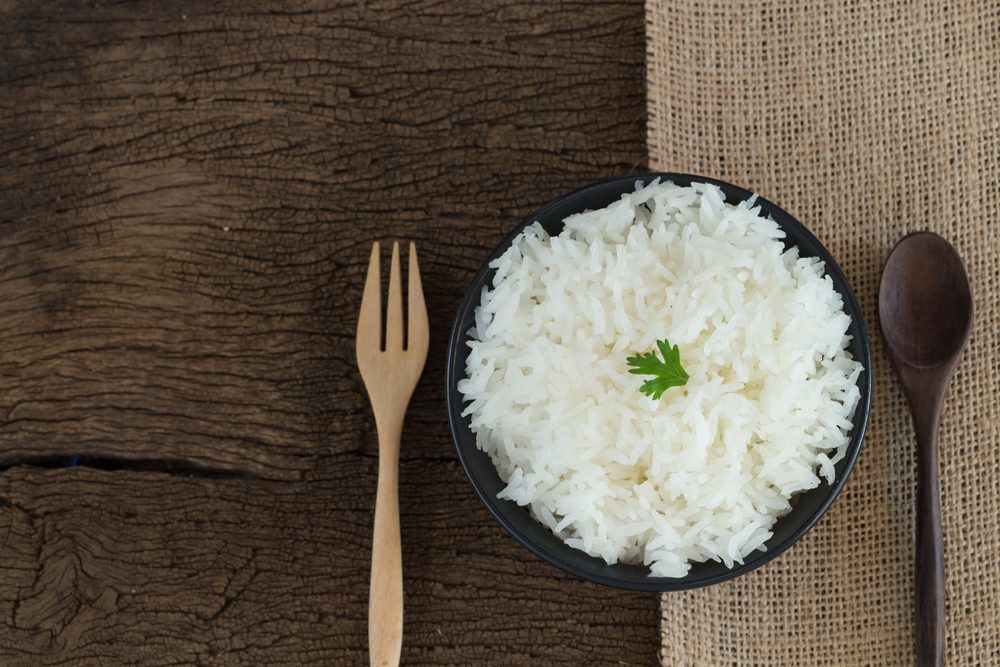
704, 472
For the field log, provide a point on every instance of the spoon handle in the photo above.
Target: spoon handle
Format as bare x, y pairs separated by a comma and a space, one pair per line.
929, 563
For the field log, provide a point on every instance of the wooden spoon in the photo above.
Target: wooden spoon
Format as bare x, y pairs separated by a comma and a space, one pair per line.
925, 309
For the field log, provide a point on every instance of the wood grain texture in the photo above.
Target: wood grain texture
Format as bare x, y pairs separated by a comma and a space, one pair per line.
187, 196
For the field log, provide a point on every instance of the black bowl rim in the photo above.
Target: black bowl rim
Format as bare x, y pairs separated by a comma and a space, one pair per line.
662, 584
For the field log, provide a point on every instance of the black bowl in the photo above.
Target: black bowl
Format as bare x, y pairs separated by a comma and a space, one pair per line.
807, 508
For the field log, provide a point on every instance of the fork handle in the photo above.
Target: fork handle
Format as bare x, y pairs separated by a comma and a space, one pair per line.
385, 598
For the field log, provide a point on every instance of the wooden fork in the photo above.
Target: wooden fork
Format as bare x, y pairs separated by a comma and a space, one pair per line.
390, 376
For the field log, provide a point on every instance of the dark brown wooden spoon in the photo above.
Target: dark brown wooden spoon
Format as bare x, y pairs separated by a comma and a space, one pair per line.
925, 309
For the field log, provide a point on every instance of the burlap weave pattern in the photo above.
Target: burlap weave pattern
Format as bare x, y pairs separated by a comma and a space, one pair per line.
865, 120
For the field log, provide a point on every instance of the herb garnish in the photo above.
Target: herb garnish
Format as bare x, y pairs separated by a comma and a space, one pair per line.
667, 373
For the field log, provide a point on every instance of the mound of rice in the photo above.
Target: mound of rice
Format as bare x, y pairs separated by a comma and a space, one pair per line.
704, 472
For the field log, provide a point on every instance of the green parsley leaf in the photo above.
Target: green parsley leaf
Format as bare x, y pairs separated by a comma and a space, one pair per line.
666, 374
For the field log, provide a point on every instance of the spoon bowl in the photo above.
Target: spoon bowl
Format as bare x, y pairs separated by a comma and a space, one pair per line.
925, 304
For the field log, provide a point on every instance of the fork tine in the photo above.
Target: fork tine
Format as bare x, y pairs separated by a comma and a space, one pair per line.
418, 331
369, 335
394, 310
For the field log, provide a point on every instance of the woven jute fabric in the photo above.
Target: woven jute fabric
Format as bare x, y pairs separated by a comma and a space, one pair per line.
866, 120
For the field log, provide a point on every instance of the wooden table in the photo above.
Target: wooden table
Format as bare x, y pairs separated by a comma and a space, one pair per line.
188, 193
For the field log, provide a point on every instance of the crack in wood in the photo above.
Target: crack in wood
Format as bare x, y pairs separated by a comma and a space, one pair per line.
165, 466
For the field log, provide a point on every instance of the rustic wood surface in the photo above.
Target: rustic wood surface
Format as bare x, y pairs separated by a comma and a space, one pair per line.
188, 192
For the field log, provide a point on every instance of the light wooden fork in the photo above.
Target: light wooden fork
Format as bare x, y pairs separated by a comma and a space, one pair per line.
390, 376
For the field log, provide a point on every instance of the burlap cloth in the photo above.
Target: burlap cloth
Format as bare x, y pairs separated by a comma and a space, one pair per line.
866, 120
